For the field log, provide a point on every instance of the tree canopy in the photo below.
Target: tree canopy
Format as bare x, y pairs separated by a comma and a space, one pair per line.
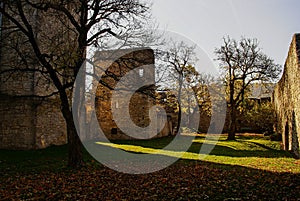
242, 63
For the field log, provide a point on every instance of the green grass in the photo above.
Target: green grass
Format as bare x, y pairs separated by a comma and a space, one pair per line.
248, 151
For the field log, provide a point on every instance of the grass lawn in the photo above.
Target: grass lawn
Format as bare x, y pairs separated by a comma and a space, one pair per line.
251, 168
248, 151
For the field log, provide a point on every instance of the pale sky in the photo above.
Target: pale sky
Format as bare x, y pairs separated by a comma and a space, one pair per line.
272, 22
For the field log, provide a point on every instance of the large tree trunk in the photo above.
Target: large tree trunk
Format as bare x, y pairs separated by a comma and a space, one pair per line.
232, 103
232, 123
75, 159
178, 130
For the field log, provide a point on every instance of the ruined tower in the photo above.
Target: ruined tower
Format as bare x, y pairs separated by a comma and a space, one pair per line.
29, 118
119, 63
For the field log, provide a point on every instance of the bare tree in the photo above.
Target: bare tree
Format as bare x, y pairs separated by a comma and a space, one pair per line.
179, 59
242, 63
56, 35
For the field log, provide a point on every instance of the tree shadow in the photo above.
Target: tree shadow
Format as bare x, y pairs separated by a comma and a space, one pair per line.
221, 150
144, 147
224, 149
183, 180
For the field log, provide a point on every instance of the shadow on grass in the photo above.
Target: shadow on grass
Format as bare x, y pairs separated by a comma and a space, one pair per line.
240, 148
27, 160
55, 158
181, 181
184, 180
221, 150
194, 150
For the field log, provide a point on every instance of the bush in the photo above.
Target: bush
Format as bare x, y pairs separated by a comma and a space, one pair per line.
261, 116
275, 137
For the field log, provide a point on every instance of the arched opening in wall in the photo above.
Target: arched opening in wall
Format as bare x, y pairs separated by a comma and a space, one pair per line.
294, 136
286, 137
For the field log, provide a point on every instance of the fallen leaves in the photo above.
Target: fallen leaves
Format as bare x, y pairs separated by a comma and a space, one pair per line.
181, 181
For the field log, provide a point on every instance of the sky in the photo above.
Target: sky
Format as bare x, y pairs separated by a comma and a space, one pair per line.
206, 22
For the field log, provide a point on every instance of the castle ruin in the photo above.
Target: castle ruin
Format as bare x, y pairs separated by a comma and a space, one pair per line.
287, 100
138, 66
30, 119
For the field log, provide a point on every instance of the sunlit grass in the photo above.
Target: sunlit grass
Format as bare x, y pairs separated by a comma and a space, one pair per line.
248, 151
255, 152
145, 150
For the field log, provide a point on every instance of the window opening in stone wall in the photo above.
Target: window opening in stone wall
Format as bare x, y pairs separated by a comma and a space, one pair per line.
114, 131
141, 72
295, 140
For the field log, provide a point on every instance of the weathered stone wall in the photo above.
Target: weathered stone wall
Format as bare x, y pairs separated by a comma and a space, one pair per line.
17, 124
120, 63
50, 127
28, 122
287, 99
31, 123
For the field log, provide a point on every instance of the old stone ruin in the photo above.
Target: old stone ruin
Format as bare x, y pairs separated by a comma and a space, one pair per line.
287, 100
120, 63
29, 122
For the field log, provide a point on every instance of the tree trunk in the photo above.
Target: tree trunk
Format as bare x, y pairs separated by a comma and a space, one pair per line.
232, 103
75, 159
188, 123
199, 107
232, 123
178, 130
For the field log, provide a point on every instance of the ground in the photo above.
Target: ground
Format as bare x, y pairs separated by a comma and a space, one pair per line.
251, 168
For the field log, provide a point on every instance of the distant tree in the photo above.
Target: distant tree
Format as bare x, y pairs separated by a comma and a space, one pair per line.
179, 59
242, 63
177, 72
59, 43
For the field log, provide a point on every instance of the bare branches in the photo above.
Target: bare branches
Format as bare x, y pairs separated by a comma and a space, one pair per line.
57, 34
91, 20
243, 63
243, 60
14, 21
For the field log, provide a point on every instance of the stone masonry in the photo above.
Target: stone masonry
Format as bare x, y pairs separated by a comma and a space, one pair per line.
27, 120
120, 63
287, 100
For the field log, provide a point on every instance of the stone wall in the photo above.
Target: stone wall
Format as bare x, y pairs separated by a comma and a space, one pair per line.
287, 99
120, 63
33, 123
17, 124
50, 126
29, 122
